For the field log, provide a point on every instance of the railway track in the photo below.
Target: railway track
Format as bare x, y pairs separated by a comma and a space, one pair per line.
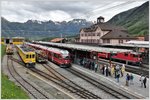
134, 69
70, 83
119, 94
63, 82
32, 90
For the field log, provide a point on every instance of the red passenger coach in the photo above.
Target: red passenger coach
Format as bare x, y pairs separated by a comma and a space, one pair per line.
58, 56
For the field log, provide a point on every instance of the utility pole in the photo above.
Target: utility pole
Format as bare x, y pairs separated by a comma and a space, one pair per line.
61, 37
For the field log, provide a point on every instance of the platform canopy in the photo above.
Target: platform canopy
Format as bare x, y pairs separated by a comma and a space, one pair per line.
127, 45
140, 44
85, 47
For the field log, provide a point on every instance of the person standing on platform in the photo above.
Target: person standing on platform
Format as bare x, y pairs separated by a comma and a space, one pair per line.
131, 79
106, 70
96, 66
115, 70
141, 80
127, 79
122, 70
109, 70
144, 81
117, 77
112, 69
103, 69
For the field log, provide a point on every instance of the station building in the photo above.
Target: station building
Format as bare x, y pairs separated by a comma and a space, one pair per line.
103, 32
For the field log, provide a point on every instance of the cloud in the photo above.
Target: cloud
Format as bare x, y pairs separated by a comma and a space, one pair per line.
21, 11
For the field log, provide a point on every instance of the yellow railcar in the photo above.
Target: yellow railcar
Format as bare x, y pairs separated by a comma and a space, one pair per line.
2, 40
17, 40
9, 49
27, 55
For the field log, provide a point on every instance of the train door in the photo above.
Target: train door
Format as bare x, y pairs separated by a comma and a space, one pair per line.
52, 56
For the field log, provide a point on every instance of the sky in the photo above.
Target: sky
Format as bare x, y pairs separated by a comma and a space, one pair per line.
64, 10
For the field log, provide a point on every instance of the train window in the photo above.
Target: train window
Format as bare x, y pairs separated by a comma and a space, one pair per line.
135, 56
59, 57
27, 56
32, 56
126, 54
66, 57
55, 55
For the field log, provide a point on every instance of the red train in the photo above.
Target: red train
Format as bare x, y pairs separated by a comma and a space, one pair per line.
131, 57
58, 56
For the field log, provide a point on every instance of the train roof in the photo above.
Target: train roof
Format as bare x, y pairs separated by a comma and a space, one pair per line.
56, 50
85, 47
25, 48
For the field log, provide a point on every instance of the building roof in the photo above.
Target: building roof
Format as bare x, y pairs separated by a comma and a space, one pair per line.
57, 39
103, 26
107, 26
117, 34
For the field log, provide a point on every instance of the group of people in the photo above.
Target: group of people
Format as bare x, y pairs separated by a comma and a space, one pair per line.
129, 79
113, 70
87, 63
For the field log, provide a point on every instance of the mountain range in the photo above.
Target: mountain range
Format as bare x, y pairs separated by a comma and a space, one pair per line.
135, 20
38, 29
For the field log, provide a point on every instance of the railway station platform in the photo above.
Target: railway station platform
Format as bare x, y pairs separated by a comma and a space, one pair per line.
132, 88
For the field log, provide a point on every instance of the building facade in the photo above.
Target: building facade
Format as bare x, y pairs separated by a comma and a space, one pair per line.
104, 33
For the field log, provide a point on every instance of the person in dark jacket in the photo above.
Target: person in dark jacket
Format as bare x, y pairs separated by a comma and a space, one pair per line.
127, 79
144, 81
107, 71
103, 69
117, 77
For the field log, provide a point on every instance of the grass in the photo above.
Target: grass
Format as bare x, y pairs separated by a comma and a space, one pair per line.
11, 91
8, 88
3, 47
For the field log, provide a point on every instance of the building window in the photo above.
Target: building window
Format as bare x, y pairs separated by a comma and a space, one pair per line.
98, 34
120, 41
97, 40
106, 41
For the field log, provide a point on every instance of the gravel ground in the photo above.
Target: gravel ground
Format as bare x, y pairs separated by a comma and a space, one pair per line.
83, 83
50, 91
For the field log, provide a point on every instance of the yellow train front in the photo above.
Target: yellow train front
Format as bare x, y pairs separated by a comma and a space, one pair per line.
9, 49
27, 55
